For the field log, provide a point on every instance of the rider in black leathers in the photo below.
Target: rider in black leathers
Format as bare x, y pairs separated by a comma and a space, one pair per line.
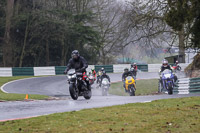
78, 63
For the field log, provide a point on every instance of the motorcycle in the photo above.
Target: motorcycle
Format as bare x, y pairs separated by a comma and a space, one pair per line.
133, 71
178, 68
91, 78
78, 85
130, 86
105, 85
167, 81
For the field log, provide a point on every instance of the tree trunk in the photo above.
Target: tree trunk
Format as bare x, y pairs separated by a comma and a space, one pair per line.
7, 48
47, 52
181, 46
17, 6
24, 46
103, 57
64, 54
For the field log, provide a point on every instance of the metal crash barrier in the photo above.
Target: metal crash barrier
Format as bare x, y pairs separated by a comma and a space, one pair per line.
187, 85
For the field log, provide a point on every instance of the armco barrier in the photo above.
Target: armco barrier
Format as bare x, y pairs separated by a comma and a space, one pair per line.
142, 67
107, 68
6, 72
187, 85
22, 71
60, 69
156, 67
120, 67
56, 70
39, 71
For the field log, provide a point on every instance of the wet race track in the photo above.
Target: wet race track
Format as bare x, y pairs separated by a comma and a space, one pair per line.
57, 86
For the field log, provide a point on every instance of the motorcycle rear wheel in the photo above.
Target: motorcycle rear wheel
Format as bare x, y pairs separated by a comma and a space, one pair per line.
73, 93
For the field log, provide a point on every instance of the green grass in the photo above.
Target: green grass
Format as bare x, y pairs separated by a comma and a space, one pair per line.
143, 87
13, 97
162, 116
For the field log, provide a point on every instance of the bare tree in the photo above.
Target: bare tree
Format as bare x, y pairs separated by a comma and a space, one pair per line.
147, 23
110, 24
7, 48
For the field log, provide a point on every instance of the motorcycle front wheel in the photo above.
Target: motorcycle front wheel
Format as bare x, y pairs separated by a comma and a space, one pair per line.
88, 94
104, 92
179, 68
132, 91
73, 93
170, 90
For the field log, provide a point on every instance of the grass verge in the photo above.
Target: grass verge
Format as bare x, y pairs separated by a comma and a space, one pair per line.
143, 87
13, 97
163, 116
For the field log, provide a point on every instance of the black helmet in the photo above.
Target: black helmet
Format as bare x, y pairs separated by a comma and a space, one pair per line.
75, 54
125, 69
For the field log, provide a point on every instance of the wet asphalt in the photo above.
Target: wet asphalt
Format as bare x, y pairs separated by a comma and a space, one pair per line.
57, 86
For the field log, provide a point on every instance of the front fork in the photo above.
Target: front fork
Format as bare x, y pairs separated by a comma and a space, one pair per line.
74, 83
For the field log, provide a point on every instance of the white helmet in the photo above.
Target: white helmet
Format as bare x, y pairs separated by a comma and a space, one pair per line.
165, 63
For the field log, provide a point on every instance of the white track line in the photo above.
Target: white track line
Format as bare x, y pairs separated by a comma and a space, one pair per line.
14, 81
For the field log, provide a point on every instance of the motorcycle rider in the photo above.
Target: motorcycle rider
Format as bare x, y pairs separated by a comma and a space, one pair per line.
164, 66
176, 66
78, 63
104, 75
125, 75
133, 69
176, 63
94, 73
99, 73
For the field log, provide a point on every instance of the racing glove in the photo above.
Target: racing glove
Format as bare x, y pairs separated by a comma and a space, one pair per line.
65, 72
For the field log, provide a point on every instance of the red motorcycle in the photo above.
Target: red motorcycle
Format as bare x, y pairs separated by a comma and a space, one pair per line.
91, 78
176, 68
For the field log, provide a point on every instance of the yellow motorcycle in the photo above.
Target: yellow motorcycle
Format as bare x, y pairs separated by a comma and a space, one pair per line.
130, 85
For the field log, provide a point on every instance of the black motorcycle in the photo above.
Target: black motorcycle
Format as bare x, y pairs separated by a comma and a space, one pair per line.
78, 86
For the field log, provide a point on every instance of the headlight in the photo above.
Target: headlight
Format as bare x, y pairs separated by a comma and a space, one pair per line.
74, 76
69, 77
